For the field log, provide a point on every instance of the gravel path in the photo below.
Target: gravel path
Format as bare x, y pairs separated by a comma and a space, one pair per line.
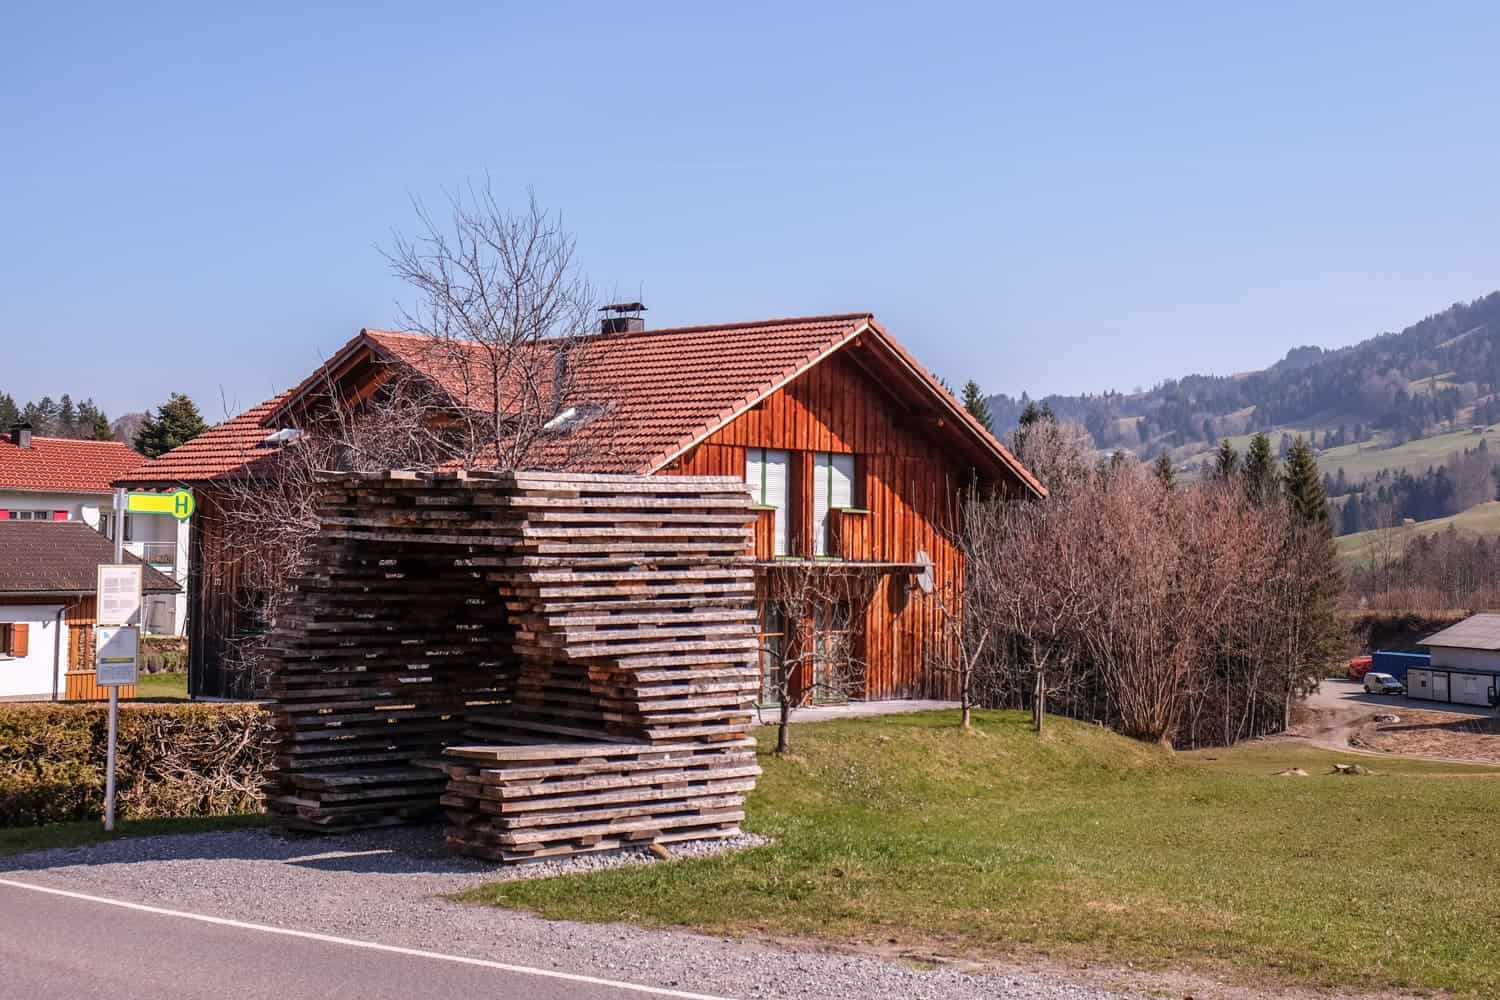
386, 886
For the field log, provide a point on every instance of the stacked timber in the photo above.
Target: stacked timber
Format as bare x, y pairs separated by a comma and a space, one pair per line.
520, 803
633, 605
388, 643
583, 648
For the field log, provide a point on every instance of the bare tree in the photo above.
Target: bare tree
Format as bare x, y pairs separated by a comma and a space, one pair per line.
961, 652
492, 381
819, 654
508, 314
268, 509
1184, 616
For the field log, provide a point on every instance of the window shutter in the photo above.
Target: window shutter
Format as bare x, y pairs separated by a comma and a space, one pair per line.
4, 515
755, 465
59, 515
777, 481
821, 497
18, 639
841, 481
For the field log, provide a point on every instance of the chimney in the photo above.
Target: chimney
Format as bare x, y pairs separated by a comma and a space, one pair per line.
20, 435
623, 317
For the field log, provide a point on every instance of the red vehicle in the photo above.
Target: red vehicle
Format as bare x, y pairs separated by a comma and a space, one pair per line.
1358, 667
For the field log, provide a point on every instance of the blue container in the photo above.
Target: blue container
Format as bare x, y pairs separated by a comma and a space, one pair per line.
1384, 661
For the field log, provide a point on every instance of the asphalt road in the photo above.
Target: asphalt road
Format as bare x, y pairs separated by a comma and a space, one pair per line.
1349, 696
55, 947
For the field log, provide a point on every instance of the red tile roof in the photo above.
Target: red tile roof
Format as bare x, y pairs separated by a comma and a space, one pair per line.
222, 450
664, 390
63, 465
61, 557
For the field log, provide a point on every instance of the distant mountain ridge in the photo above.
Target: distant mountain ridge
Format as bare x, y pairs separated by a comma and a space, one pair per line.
1437, 376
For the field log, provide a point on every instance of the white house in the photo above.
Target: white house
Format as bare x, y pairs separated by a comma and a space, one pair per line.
48, 606
60, 479
1465, 663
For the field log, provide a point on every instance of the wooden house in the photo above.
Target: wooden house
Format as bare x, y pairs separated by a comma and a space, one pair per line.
48, 575
855, 455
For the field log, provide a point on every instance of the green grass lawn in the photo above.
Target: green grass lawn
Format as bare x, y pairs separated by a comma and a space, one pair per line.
1359, 547
1360, 461
162, 687
1089, 848
20, 839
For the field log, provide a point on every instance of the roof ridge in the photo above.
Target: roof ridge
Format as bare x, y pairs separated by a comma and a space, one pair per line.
49, 437
651, 331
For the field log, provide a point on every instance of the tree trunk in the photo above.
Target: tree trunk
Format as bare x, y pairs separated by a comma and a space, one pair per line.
1039, 702
783, 724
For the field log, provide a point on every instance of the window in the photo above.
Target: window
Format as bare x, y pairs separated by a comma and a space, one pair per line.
107, 527
766, 470
31, 515
833, 653
772, 653
833, 489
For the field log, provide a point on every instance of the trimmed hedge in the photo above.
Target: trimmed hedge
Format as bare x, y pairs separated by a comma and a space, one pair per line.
173, 761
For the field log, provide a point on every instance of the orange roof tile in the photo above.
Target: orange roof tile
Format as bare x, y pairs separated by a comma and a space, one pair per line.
63, 465
664, 390
223, 450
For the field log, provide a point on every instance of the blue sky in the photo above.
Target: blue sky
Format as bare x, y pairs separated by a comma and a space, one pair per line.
1046, 197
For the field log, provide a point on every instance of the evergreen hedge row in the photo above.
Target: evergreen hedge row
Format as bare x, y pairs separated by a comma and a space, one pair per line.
173, 760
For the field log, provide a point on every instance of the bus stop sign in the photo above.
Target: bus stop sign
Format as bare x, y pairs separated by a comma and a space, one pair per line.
179, 504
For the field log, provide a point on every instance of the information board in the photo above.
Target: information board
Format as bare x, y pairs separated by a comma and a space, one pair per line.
116, 649
119, 594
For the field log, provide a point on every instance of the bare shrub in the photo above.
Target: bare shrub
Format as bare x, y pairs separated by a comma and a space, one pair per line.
1181, 615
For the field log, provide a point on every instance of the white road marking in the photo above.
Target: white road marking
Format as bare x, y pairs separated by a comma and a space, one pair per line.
368, 945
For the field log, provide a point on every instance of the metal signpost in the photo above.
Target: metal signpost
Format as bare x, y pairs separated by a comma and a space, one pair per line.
118, 618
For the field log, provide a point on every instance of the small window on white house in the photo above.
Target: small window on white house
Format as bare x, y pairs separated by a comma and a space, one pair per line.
31, 515
833, 489
107, 527
768, 475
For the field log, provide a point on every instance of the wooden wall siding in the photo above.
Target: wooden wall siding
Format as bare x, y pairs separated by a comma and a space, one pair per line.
218, 606
80, 682
903, 479
765, 533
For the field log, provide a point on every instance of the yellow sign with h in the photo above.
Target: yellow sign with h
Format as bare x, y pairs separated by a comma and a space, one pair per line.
179, 504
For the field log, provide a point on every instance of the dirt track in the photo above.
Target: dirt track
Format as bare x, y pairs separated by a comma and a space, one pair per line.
1342, 717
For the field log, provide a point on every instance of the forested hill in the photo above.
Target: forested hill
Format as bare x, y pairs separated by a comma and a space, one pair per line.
1439, 375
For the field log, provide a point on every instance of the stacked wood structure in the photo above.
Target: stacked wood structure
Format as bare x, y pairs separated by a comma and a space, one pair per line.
563, 663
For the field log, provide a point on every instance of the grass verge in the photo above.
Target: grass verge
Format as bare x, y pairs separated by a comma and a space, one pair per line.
1088, 848
161, 687
21, 839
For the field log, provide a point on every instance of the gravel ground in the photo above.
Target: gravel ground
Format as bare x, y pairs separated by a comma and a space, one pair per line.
386, 886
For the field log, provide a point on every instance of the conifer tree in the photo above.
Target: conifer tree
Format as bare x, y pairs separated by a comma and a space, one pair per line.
977, 405
97, 428
1319, 574
67, 418
175, 423
1162, 469
1304, 487
1226, 462
1260, 473
10, 414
